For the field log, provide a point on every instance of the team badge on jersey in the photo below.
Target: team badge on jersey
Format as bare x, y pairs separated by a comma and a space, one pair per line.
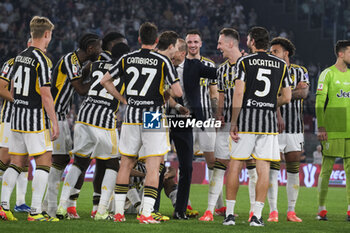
6, 69
320, 87
75, 70
152, 120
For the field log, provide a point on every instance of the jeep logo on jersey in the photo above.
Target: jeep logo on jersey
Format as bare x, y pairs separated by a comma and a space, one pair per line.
152, 120
343, 94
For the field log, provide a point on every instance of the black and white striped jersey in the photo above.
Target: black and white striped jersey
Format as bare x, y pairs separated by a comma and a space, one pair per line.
264, 75
204, 90
6, 108
292, 113
67, 70
145, 73
105, 56
225, 76
31, 71
100, 108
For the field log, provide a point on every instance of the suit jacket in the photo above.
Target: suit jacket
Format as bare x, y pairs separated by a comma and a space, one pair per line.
193, 71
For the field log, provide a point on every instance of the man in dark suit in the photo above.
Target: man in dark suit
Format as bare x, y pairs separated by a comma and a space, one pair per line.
189, 73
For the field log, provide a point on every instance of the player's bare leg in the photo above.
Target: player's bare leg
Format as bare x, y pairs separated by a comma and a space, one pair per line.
262, 185
232, 185
122, 186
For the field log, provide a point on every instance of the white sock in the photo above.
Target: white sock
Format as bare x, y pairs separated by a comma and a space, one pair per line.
107, 188
230, 207
119, 203
53, 187
68, 184
215, 188
253, 176
8, 183
272, 192
292, 190
38, 189
258, 209
21, 188
320, 208
111, 205
189, 202
147, 207
133, 196
348, 207
172, 197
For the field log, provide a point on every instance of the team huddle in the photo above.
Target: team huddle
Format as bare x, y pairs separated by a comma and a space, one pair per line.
257, 97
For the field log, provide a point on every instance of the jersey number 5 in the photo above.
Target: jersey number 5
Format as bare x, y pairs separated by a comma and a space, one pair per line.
266, 80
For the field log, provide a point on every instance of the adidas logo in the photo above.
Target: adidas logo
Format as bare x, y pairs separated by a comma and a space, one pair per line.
66, 184
104, 188
4, 183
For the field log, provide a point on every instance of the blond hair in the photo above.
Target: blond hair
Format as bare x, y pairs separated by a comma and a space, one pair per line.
39, 25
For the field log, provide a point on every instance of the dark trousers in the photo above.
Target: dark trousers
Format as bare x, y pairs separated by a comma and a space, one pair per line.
183, 140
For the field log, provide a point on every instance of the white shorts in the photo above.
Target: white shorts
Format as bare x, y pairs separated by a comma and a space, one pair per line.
222, 142
136, 141
5, 130
204, 140
259, 146
290, 142
31, 144
93, 142
63, 144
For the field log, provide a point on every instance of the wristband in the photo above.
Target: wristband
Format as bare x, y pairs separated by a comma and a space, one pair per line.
177, 107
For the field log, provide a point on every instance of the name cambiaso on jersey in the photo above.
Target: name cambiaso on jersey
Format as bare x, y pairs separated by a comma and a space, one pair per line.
31, 70
145, 73
5, 74
99, 107
204, 90
292, 112
67, 70
225, 75
264, 75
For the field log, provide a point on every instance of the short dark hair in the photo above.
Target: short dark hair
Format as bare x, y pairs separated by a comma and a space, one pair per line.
119, 50
88, 39
340, 46
166, 39
109, 37
285, 43
148, 33
230, 32
194, 32
261, 37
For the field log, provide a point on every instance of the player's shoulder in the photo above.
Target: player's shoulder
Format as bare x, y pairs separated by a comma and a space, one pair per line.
299, 67
10, 62
328, 72
73, 58
41, 56
224, 64
207, 61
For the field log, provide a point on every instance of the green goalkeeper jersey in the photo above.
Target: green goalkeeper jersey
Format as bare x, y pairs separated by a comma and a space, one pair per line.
333, 102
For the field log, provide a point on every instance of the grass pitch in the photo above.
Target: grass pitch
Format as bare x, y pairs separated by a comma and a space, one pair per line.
306, 209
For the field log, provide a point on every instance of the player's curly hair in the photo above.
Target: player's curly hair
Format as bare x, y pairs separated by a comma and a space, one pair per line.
88, 39
285, 43
119, 50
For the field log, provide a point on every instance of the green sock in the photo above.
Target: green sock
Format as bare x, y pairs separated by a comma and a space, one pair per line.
347, 172
323, 180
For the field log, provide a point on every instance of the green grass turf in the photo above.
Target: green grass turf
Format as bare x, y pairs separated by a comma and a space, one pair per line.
306, 209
